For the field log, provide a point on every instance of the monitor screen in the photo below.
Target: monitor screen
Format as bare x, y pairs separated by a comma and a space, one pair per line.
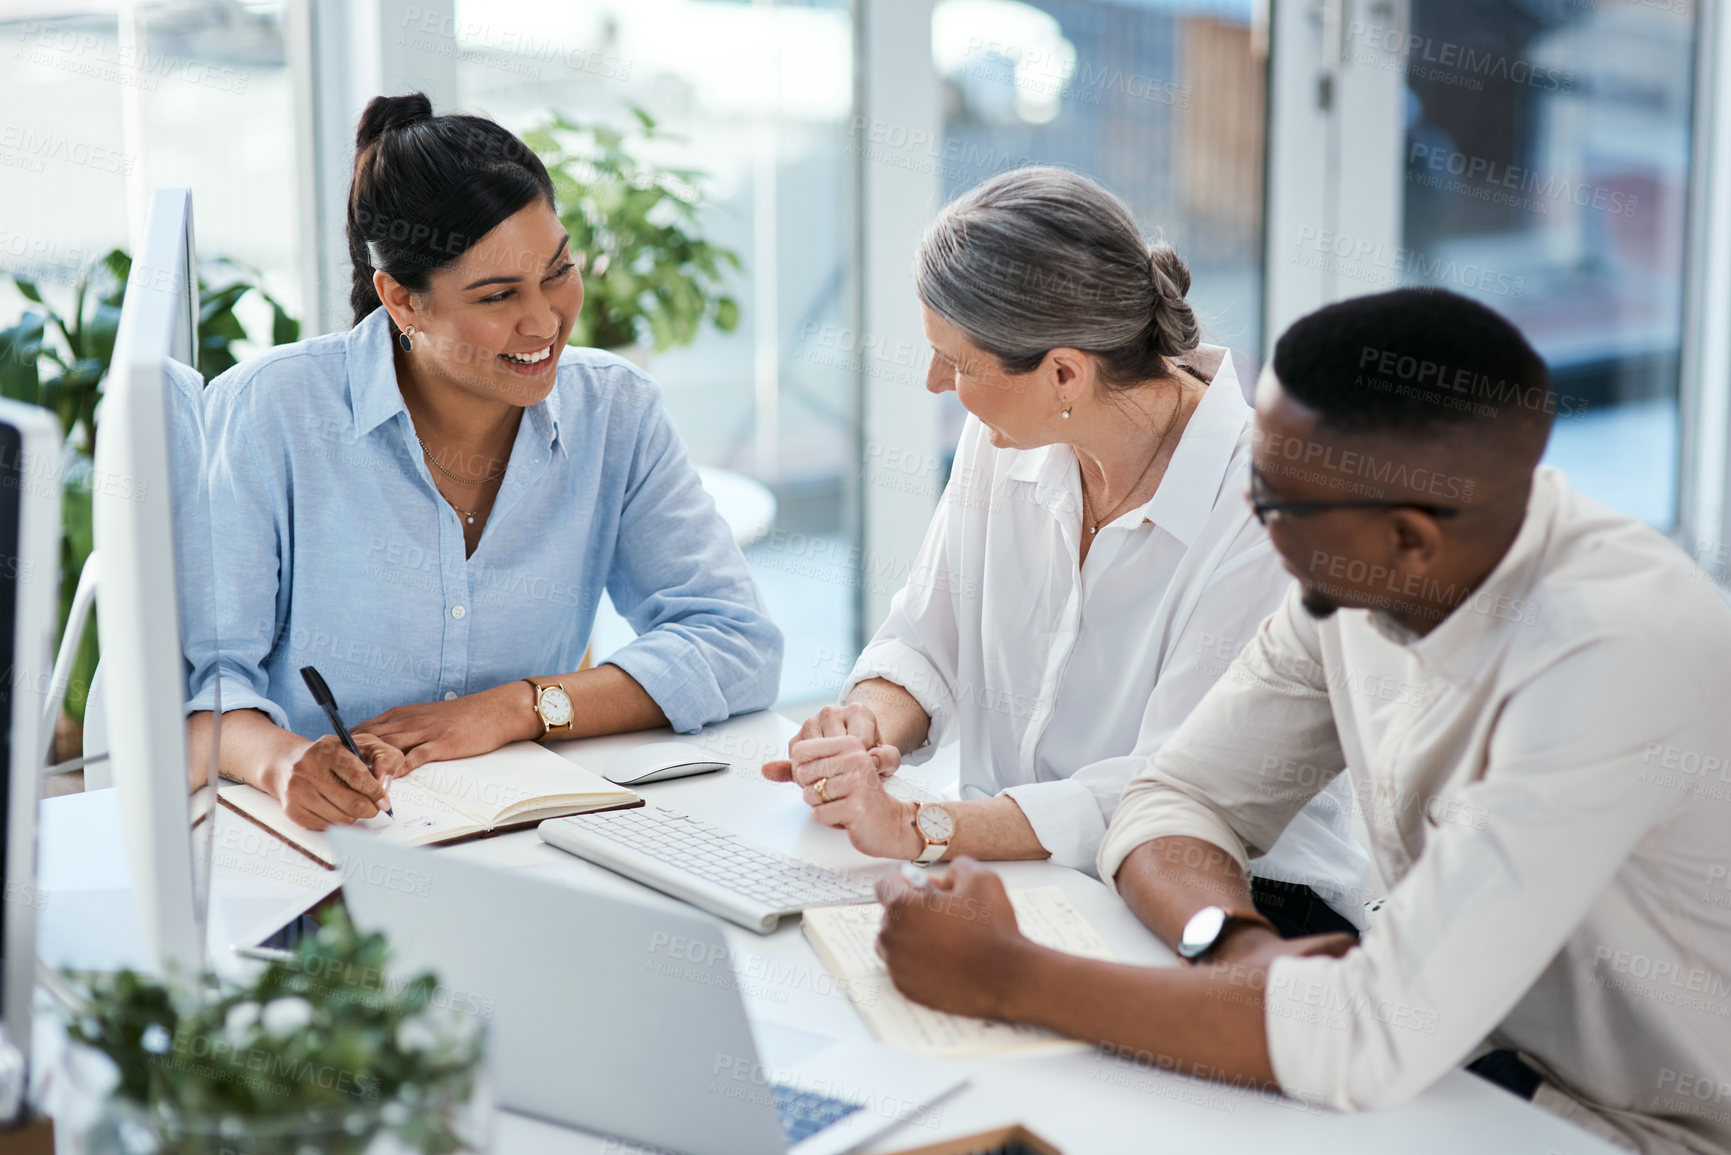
152, 530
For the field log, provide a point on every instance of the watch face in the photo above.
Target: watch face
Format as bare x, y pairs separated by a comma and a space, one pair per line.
1202, 931
935, 824
555, 706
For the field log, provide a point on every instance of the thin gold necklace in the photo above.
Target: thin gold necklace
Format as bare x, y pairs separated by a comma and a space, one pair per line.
1094, 526
1094, 522
488, 480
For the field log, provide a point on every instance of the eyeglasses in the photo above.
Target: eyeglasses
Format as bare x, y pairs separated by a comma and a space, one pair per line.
1262, 505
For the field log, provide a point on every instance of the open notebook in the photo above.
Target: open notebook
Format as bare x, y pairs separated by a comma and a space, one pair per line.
845, 938
515, 786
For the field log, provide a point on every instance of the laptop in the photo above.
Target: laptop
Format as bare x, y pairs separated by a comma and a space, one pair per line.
618, 1017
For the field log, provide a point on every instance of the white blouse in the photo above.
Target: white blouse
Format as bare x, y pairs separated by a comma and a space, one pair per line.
1060, 682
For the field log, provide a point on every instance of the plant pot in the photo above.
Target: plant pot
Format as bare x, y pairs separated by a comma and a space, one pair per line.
456, 1115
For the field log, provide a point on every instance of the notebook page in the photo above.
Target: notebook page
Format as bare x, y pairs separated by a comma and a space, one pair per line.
523, 775
420, 818
845, 937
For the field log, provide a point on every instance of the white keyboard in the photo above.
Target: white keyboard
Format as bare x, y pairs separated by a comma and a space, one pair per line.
709, 867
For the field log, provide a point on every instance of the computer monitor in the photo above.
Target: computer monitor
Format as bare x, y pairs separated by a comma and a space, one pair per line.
29, 565
151, 530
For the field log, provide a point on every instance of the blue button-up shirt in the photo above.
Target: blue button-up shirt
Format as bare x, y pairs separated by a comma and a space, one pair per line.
333, 548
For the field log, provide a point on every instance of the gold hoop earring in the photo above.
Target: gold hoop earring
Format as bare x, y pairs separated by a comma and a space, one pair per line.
406, 339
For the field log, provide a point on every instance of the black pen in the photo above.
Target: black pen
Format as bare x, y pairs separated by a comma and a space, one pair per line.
328, 703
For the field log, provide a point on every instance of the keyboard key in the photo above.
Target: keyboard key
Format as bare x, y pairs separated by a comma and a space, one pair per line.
804, 1114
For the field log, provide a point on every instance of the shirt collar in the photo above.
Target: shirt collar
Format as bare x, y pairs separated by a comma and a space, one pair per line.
374, 397
543, 416
1191, 485
1504, 600
373, 393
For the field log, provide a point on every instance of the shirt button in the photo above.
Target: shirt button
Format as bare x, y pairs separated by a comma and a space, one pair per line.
458, 612
450, 695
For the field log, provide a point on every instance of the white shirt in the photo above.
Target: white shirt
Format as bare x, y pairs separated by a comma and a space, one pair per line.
1059, 683
1550, 800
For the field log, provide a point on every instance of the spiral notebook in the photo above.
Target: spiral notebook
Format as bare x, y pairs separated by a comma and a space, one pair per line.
515, 786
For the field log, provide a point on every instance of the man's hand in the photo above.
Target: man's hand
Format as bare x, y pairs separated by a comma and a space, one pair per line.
461, 728
1254, 945
843, 784
328, 786
855, 720
953, 944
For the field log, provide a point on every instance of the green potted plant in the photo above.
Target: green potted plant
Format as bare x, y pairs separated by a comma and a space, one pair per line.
651, 277
57, 357
320, 1051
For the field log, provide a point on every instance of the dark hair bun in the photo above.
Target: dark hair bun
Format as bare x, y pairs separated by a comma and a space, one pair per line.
384, 113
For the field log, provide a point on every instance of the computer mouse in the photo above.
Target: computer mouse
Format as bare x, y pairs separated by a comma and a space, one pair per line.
657, 761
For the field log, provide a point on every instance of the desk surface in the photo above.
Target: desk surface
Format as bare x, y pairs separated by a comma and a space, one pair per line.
1085, 1102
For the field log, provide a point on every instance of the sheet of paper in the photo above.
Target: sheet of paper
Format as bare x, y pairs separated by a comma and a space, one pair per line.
845, 937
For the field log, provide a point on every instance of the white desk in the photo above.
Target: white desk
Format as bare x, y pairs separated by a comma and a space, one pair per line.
1084, 1102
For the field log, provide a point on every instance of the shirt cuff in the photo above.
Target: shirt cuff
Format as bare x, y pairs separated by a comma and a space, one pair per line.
896, 661
1305, 1009
1155, 811
237, 695
674, 672
1066, 819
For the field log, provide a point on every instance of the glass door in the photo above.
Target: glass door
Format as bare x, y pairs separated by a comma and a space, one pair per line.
1532, 154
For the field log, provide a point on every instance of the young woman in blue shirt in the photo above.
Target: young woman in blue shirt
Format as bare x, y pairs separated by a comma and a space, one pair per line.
428, 506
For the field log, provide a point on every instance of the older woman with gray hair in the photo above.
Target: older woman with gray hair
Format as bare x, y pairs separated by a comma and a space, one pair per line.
1093, 565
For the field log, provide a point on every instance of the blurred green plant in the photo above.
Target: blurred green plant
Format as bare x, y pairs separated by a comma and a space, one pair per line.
57, 357
650, 276
320, 1050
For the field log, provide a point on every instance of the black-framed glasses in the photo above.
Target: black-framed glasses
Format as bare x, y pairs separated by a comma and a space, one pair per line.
1263, 505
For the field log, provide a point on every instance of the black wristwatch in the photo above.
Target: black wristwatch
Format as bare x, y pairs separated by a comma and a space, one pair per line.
1208, 926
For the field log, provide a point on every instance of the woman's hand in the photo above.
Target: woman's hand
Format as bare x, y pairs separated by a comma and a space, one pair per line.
952, 943
461, 728
328, 786
855, 719
843, 783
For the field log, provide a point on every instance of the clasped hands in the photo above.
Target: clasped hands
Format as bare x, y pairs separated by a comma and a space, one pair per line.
840, 761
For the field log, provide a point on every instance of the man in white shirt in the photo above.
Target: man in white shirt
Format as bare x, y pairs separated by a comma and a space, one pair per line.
1529, 690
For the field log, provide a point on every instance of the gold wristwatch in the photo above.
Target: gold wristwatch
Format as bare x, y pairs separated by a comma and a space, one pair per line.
553, 707
936, 826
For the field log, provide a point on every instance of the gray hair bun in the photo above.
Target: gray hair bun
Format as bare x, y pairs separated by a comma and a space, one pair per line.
1175, 329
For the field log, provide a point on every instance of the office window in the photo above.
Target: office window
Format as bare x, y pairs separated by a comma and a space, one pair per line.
1547, 154
96, 110
64, 161
761, 95
98, 113
1163, 104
